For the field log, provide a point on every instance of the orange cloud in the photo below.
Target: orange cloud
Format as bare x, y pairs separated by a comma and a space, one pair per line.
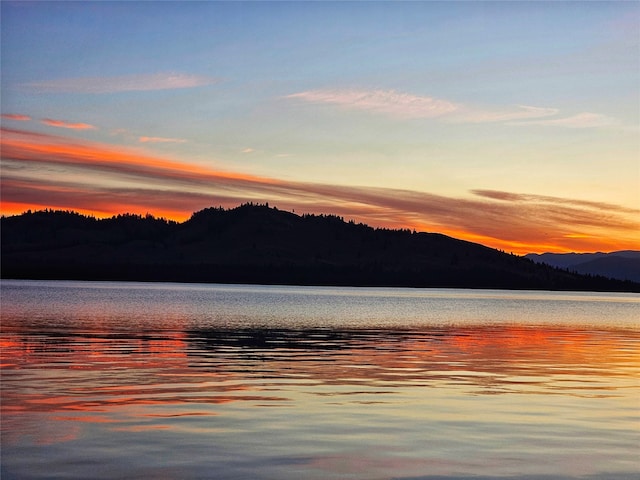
40, 148
15, 116
62, 124
119, 180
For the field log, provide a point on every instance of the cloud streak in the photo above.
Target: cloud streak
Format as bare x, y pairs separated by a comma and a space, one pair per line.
580, 120
524, 197
120, 180
160, 140
17, 117
388, 102
517, 112
36, 148
408, 106
62, 124
124, 83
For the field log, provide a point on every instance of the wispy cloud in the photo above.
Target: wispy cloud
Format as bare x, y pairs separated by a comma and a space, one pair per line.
580, 120
517, 112
528, 197
125, 83
15, 116
119, 180
388, 102
408, 106
62, 124
248, 150
161, 140
37, 148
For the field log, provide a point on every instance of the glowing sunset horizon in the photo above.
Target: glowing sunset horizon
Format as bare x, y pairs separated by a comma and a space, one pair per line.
520, 223
513, 125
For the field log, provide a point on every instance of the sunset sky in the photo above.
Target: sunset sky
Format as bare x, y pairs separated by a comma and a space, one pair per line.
515, 125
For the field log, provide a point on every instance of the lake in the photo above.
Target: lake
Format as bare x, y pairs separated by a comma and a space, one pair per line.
109, 380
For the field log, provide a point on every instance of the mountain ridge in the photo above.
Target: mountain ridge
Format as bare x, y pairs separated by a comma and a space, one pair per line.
621, 264
261, 244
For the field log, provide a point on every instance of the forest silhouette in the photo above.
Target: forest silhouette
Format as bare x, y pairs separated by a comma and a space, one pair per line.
263, 245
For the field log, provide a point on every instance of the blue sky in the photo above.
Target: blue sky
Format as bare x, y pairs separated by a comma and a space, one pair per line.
483, 102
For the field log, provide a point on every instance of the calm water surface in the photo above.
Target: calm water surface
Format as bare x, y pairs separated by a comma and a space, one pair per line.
135, 380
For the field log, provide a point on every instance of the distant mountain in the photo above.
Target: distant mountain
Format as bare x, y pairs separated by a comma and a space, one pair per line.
623, 265
258, 244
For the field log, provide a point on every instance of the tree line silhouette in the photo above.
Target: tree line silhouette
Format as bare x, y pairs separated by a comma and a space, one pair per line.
256, 243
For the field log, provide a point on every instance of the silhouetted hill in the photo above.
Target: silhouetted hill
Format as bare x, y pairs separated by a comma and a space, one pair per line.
258, 244
623, 265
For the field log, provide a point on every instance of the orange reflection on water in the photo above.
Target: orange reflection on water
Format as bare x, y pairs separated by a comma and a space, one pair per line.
128, 378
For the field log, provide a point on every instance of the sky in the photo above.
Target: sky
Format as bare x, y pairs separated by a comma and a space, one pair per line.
511, 124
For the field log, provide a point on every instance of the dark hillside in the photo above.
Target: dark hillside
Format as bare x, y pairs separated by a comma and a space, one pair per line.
611, 266
623, 264
258, 244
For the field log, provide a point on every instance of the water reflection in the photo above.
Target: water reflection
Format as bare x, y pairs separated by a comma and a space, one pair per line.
87, 393
100, 370
496, 359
